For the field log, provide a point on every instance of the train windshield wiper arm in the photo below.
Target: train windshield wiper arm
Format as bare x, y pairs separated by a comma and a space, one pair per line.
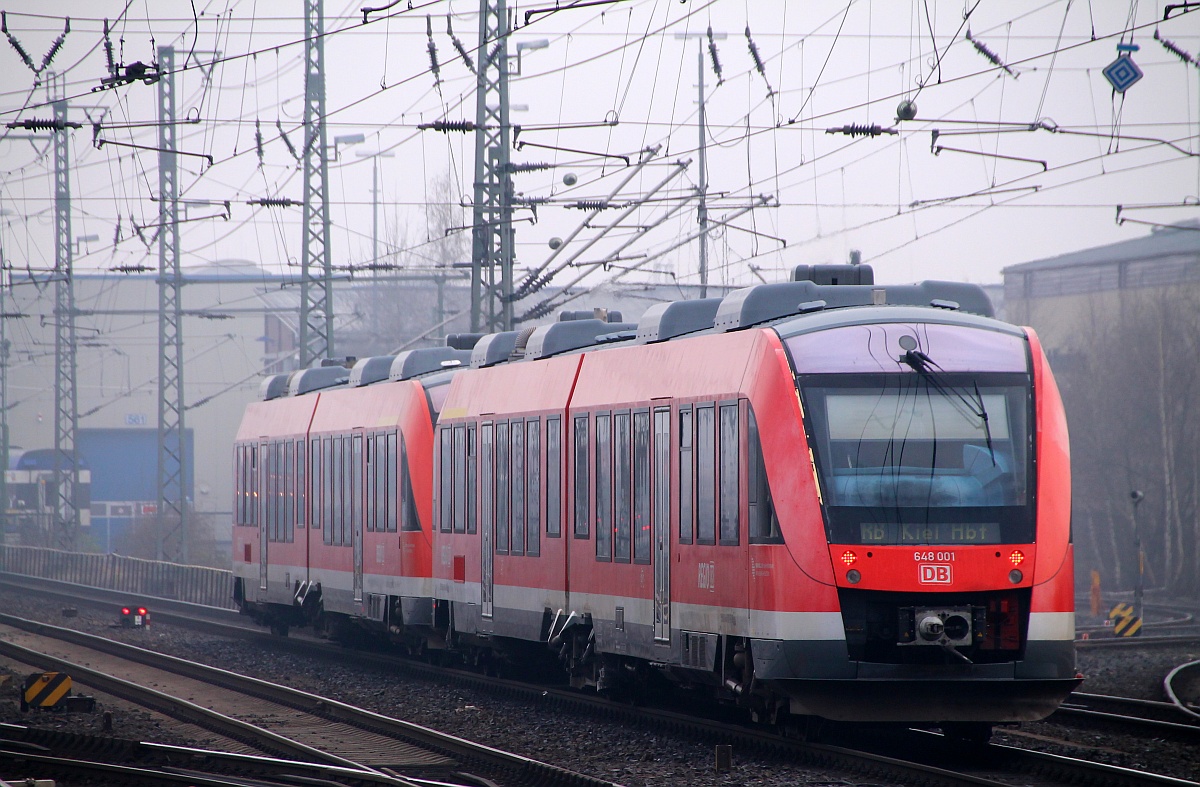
925, 366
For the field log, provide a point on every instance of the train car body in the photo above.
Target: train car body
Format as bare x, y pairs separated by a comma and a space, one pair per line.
331, 492
845, 501
857, 510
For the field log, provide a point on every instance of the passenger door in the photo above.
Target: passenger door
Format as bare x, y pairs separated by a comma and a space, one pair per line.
357, 510
661, 524
261, 477
487, 519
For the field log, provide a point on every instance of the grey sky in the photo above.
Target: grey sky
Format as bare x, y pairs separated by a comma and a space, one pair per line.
828, 65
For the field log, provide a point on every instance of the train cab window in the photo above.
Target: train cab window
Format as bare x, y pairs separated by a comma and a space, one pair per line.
729, 480
582, 477
518, 487
764, 523
641, 487
687, 474
409, 521
445, 478
553, 477
622, 481
706, 514
604, 520
503, 487
471, 464
460, 478
533, 486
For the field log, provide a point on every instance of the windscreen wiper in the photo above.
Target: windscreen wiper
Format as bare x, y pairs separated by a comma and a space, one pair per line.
925, 366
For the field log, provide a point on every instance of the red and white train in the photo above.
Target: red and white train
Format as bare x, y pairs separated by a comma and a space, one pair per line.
842, 500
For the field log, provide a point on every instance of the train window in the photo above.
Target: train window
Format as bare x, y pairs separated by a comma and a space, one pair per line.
445, 478
354, 493
706, 474
289, 510
503, 487
371, 510
389, 482
582, 477
533, 491
729, 481
328, 476
764, 524
377, 463
314, 482
471, 462
409, 521
460, 478
641, 487
487, 491
301, 485
269, 490
687, 473
604, 520
243, 456
553, 477
622, 481
518, 487
661, 526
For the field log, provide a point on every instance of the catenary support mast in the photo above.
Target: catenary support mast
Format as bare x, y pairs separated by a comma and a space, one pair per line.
66, 403
172, 540
492, 226
316, 272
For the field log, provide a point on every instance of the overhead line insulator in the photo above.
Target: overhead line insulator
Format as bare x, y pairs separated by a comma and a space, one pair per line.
716, 61
861, 130
273, 202
590, 204
992, 57
1174, 49
458, 45
39, 124
448, 125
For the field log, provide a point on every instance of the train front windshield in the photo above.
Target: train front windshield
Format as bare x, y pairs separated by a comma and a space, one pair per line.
921, 433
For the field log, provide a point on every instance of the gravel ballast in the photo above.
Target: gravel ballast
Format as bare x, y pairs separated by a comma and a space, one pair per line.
628, 755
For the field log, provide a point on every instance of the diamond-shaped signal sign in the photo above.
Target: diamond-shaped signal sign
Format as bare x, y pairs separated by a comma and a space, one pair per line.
1122, 73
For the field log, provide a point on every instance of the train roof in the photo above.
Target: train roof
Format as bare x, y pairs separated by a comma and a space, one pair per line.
790, 307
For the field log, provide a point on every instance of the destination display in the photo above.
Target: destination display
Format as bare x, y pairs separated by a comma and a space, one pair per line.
929, 533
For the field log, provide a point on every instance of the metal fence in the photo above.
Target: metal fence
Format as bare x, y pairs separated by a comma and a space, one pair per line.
196, 584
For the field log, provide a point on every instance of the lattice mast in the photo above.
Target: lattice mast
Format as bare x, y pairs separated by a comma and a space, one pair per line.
316, 271
492, 226
66, 402
172, 540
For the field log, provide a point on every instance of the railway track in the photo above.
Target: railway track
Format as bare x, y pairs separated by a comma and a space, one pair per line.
913, 757
270, 717
1144, 716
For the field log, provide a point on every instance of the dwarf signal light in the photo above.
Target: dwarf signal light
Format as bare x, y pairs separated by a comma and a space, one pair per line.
124, 610
142, 611
849, 557
1017, 557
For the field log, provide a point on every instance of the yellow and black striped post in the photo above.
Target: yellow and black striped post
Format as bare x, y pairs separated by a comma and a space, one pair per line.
1125, 622
45, 689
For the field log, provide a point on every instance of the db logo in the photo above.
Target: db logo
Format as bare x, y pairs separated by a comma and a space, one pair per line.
934, 574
